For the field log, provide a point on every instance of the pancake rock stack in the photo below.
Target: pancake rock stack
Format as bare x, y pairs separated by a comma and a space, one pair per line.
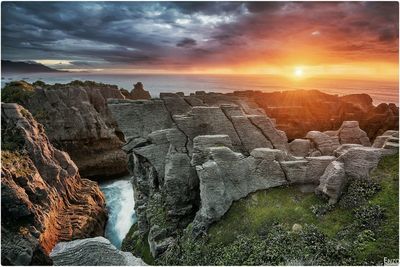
44, 199
77, 120
138, 92
192, 156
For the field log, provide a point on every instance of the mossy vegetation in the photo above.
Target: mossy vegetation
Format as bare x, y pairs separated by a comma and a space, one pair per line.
284, 226
138, 245
20, 163
17, 92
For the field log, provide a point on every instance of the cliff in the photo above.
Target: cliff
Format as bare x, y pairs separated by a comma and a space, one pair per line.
43, 198
77, 120
193, 156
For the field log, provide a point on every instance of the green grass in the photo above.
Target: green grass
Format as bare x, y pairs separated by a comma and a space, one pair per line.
282, 205
361, 229
387, 242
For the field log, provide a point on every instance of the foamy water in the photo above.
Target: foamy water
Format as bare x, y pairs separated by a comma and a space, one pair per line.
121, 209
379, 91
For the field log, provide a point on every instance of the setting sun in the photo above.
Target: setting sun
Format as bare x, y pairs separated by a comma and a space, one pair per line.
298, 72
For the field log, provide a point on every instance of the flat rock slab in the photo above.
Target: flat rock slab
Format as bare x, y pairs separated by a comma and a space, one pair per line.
96, 251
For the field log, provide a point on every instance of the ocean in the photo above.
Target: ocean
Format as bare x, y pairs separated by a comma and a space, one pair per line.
380, 91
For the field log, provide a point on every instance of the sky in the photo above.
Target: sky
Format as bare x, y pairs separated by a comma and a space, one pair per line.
294, 39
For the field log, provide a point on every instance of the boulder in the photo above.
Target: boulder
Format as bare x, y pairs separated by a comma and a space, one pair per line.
322, 142
360, 161
333, 181
344, 148
300, 147
96, 251
350, 133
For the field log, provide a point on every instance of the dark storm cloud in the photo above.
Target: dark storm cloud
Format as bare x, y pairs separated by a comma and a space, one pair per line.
186, 42
143, 33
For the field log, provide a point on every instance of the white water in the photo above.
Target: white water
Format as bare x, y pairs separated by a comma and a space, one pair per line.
120, 204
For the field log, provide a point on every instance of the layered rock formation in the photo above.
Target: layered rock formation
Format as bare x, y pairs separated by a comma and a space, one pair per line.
298, 112
138, 92
96, 251
77, 120
192, 156
318, 143
43, 198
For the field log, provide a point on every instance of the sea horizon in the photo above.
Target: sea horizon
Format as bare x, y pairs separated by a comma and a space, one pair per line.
380, 91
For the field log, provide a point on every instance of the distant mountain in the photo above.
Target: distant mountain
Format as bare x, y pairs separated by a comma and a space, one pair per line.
8, 66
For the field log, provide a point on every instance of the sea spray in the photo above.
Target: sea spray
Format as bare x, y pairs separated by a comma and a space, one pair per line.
120, 204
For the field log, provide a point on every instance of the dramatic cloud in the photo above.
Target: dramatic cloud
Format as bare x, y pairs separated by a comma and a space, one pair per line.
186, 42
174, 35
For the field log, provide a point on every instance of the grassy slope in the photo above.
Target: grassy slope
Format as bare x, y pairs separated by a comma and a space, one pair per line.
285, 206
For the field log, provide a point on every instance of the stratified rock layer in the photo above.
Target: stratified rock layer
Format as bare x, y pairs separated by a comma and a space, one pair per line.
96, 251
43, 198
192, 158
298, 112
78, 121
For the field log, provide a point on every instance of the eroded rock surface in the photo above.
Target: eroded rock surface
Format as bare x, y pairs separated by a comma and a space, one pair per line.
43, 198
192, 156
78, 121
138, 92
96, 251
298, 112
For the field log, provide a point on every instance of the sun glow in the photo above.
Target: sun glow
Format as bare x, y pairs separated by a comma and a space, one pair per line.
298, 72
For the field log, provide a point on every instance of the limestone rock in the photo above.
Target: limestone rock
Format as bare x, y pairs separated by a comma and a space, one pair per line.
96, 251
228, 176
277, 138
300, 147
322, 142
78, 121
138, 92
206, 121
344, 148
43, 198
380, 140
360, 161
333, 181
350, 133
138, 118
354, 163
201, 144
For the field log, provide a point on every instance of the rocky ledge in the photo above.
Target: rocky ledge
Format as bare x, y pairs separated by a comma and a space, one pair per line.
43, 198
96, 251
77, 120
192, 156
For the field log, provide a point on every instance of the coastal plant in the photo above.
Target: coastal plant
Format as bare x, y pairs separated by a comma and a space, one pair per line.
17, 92
358, 192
